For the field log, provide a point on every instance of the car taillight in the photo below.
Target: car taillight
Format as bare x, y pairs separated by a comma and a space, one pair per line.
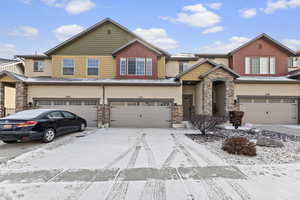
27, 124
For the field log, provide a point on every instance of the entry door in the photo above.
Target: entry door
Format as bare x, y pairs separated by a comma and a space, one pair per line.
187, 107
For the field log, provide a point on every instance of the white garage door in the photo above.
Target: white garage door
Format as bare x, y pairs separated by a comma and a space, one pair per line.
86, 108
269, 110
140, 114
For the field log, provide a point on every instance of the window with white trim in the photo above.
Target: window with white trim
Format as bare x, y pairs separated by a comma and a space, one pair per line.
183, 66
292, 62
122, 66
38, 66
92, 67
149, 66
260, 65
68, 66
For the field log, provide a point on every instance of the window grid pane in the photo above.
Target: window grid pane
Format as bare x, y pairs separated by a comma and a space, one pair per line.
93, 67
132, 66
68, 66
255, 65
123, 66
38, 66
149, 67
140, 66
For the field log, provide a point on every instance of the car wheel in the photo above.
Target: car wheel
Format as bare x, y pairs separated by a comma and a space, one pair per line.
9, 142
82, 127
49, 135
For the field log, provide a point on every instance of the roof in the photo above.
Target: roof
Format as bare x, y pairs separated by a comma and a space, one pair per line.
212, 55
266, 79
298, 53
265, 36
216, 66
33, 56
89, 81
133, 41
49, 52
184, 57
7, 62
294, 73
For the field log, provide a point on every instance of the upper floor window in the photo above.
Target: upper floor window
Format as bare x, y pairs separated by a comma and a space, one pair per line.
183, 66
92, 67
68, 66
292, 61
38, 66
260, 65
136, 66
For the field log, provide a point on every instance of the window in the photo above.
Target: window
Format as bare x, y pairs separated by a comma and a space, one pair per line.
183, 66
75, 102
292, 62
132, 66
55, 115
68, 115
149, 66
60, 102
38, 66
260, 65
68, 66
123, 66
44, 102
93, 67
90, 102
140, 66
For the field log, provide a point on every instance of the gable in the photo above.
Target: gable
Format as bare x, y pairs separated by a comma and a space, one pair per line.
97, 41
194, 74
8, 79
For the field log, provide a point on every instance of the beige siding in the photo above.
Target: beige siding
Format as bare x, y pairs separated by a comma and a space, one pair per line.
161, 67
63, 91
189, 89
194, 74
98, 42
223, 61
107, 66
30, 72
10, 97
173, 92
267, 89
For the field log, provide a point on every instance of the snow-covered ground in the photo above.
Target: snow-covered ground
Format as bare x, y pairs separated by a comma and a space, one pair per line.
140, 164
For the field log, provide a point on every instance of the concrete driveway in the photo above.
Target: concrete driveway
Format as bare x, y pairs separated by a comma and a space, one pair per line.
139, 164
287, 129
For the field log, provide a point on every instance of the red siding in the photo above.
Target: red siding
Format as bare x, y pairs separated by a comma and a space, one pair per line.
137, 50
268, 49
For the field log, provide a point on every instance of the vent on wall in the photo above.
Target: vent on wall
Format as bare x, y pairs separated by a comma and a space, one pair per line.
260, 46
108, 31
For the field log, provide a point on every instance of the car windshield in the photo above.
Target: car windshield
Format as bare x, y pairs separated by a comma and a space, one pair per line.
27, 114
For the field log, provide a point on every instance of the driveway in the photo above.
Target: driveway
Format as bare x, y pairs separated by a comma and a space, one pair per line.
287, 129
140, 164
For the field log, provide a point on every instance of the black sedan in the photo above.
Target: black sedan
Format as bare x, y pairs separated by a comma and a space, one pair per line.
39, 124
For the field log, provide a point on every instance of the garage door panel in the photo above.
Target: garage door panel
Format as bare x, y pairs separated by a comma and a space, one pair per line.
140, 116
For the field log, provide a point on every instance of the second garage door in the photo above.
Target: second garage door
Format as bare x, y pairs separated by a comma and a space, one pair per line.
140, 114
85, 108
269, 110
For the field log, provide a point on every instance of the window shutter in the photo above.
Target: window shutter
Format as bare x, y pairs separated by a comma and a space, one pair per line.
247, 65
272, 65
264, 65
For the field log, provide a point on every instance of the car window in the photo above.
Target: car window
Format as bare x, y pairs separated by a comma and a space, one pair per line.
55, 115
68, 115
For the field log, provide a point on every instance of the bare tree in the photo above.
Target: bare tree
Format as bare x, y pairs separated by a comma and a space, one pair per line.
207, 122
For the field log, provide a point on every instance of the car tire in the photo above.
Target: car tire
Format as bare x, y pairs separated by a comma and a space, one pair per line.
10, 142
82, 127
49, 135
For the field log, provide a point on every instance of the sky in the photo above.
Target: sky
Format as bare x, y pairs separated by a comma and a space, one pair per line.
178, 26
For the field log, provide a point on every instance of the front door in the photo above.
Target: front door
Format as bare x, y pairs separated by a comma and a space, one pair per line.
187, 107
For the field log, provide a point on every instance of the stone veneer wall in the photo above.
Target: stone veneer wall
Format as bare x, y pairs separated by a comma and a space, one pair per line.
103, 115
21, 96
2, 96
177, 114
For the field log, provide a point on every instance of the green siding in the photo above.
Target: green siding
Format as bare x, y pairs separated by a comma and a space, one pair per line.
97, 42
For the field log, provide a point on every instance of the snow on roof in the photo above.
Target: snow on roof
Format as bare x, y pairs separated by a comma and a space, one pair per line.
184, 55
28, 114
266, 78
5, 62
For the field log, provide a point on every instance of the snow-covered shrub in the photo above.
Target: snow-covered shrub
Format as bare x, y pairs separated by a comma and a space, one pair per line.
240, 146
205, 123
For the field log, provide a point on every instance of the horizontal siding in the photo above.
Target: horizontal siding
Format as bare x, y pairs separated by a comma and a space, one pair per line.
195, 73
161, 67
97, 42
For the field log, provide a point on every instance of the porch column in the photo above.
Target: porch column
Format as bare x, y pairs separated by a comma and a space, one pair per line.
2, 96
229, 97
207, 96
21, 96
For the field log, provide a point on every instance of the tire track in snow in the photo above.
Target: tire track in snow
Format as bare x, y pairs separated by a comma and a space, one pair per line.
214, 192
170, 159
153, 189
240, 190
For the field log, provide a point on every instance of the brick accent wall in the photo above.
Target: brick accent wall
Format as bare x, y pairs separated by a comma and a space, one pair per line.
103, 115
177, 114
21, 96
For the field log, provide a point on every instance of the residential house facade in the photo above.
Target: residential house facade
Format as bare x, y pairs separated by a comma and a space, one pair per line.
110, 76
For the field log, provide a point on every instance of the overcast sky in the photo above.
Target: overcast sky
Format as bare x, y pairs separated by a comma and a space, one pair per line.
178, 26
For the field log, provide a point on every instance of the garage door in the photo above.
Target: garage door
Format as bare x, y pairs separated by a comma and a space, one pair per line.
140, 114
86, 108
269, 110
